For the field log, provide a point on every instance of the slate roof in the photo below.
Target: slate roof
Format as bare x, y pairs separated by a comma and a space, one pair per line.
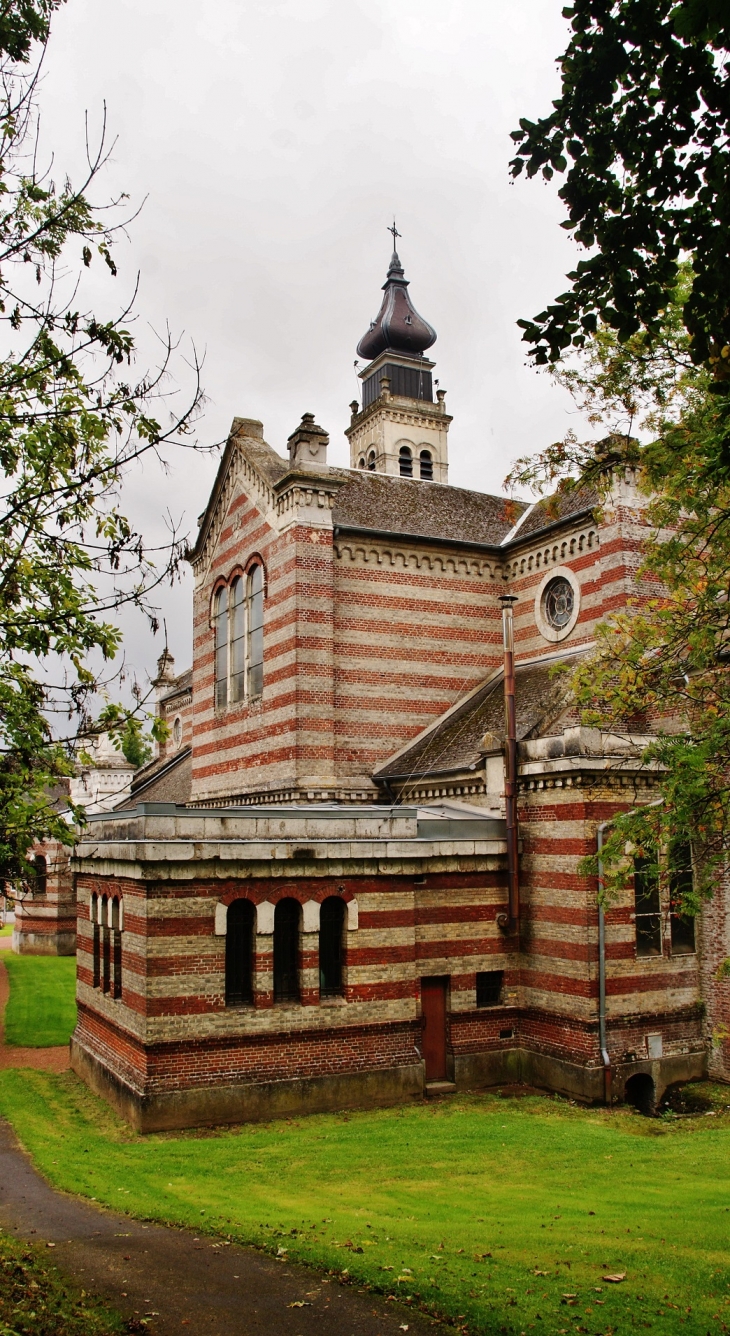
167, 781
180, 684
409, 506
455, 741
554, 509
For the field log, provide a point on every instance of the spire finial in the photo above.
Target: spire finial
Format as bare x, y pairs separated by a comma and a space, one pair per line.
395, 233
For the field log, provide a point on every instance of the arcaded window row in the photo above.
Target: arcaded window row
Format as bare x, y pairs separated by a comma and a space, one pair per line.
240, 928
106, 914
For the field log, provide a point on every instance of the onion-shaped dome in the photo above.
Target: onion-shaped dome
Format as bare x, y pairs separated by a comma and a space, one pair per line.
397, 326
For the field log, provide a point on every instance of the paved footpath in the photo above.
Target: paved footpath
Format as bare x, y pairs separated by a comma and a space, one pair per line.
179, 1282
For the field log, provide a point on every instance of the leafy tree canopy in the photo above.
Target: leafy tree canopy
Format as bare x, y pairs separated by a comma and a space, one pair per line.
660, 664
73, 420
640, 133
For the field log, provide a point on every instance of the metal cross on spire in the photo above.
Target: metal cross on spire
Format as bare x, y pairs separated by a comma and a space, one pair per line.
395, 233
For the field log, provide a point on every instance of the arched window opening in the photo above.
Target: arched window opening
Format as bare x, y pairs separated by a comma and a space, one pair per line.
331, 947
238, 640
371, 461
405, 461
648, 921
177, 733
40, 883
221, 648
361, 462
681, 893
96, 941
255, 630
106, 945
239, 953
286, 951
426, 465
116, 930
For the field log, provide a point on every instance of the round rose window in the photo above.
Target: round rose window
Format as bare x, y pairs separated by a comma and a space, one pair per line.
558, 601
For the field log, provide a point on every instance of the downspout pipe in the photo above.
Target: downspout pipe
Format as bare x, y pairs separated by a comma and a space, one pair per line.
607, 1072
510, 763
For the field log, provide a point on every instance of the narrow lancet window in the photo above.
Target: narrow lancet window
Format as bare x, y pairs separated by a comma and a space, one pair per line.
106, 945
96, 941
238, 640
40, 885
648, 908
681, 894
116, 930
221, 648
426, 465
405, 460
331, 947
239, 953
255, 630
287, 917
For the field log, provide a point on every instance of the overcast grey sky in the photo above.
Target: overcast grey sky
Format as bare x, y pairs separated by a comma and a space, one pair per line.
274, 140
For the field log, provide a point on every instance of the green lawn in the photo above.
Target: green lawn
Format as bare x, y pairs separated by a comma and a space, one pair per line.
7, 930
42, 1007
505, 1214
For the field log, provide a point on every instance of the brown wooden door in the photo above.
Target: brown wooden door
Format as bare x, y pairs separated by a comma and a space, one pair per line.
433, 1012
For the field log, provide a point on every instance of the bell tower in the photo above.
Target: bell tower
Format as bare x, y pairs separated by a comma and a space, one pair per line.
399, 429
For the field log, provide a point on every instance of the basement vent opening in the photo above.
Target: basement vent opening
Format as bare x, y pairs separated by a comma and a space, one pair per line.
303, 853
506, 1034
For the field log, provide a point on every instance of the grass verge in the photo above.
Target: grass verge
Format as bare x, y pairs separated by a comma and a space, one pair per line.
504, 1215
41, 1012
37, 1301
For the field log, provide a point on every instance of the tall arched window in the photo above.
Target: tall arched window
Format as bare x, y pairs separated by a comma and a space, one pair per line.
220, 616
106, 962
239, 953
405, 461
371, 462
96, 941
287, 916
331, 946
237, 627
255, 630
116, 931
426, 465
361, 462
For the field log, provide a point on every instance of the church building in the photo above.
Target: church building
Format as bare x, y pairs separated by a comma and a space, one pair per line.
317, 895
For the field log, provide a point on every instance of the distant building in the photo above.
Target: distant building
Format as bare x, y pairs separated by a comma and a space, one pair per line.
302, 904
45, 907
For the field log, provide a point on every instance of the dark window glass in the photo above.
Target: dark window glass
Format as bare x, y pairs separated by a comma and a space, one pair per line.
558, 602
681, 890
238, 640
40, 884
648, 915
426, 465
96, 941
239, 953
371, 461
106, 947
489, 988
405, 460
286, 951
116, 989
221, 648
331, 944
361, 464
255, 631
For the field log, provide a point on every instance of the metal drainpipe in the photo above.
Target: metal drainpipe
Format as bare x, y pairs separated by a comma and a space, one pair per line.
607, 1073
607, 1076
510, 769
